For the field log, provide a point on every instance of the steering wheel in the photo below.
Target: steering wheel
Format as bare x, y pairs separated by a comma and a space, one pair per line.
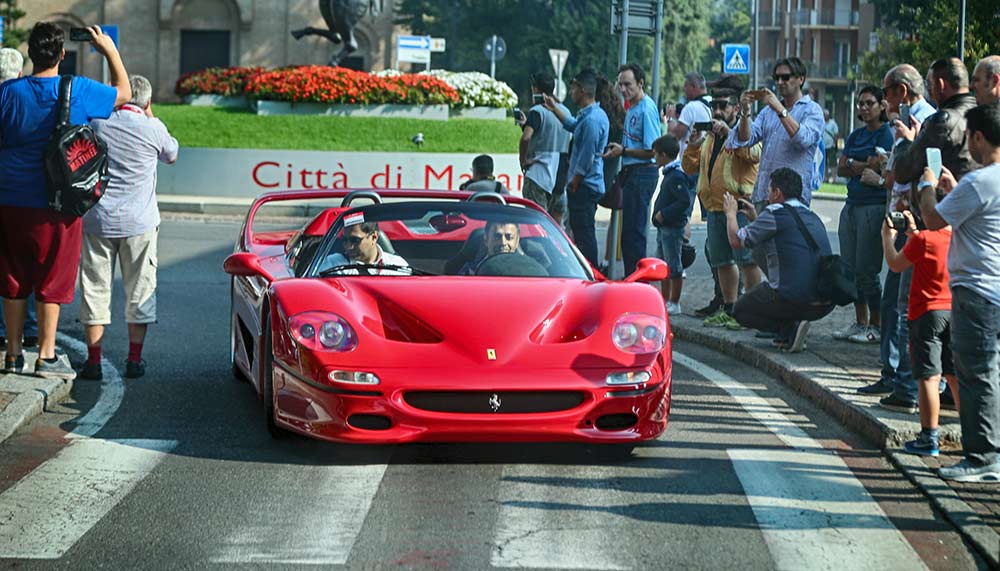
511, 264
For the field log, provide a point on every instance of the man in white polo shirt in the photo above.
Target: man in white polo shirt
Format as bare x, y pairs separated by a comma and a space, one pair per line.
124, 225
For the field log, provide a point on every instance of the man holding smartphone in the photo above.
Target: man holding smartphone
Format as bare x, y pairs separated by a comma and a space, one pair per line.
542, 142
642, 127
948, 80
40, 247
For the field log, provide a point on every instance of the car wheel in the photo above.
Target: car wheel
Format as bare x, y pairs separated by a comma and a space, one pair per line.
268, 389
238, 374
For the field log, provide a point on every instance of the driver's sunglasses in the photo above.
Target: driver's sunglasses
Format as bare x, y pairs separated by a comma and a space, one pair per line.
355, 240
721, 103
782, 77
500, 236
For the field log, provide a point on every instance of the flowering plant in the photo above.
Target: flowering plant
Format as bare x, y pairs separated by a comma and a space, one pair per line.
324, 84
215, 81
477, 89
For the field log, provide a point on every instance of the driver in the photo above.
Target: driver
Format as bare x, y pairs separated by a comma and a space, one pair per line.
361, 247
499, 238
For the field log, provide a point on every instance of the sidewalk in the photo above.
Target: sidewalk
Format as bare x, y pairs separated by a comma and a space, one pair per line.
829, 372
23, 397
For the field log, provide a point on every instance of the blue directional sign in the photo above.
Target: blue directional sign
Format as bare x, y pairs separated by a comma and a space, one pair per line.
413, 49
1, 29
736, 58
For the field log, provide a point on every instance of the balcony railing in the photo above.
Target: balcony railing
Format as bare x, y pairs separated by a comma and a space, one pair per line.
769, 19
833, 18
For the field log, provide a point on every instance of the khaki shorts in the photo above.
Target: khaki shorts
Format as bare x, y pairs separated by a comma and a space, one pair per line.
136, 256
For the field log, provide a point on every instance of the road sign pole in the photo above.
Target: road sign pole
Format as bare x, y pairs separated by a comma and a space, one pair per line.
961, 31
493, 56
623, 43
756, 41
657, 46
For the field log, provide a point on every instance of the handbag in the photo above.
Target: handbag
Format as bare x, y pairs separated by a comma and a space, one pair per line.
612, 197
834, 283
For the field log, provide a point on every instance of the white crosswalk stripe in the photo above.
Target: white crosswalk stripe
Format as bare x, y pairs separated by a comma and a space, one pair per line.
50, 509
812, 510
317, 528
533, 532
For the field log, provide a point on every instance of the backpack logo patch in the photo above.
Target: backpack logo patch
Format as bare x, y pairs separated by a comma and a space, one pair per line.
79, 152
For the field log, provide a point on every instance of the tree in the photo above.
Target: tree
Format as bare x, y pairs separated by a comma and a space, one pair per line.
12, 35
531, 27
919, 32
730, 24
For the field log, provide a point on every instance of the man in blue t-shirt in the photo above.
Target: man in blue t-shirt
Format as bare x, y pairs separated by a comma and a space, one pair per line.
639, 172
40, 247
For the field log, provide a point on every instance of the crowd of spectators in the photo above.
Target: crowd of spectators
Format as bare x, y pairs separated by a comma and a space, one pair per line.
44, 252
936, 315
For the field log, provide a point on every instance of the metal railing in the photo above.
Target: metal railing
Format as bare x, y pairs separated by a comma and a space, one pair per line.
769, 19
844, 18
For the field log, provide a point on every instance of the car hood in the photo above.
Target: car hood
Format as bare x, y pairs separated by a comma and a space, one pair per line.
456, 322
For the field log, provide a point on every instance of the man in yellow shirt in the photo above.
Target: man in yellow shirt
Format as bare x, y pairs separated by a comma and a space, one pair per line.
721, 171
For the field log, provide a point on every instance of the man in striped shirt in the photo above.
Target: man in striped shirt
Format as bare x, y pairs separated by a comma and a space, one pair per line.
124, 225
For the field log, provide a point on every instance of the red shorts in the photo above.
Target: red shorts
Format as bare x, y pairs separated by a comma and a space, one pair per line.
40, 253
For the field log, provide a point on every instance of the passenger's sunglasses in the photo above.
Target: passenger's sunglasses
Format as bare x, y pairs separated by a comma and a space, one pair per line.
355, 240
782, 76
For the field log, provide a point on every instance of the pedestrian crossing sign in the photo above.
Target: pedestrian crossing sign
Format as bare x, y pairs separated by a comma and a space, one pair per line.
736, 58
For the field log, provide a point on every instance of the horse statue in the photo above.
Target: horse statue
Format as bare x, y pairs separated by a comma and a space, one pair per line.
341, 17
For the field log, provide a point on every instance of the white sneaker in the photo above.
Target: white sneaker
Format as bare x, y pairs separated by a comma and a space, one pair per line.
846, 332
673, 308
868, 335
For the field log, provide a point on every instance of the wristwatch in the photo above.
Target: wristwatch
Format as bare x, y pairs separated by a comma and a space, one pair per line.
783, 114
850, 162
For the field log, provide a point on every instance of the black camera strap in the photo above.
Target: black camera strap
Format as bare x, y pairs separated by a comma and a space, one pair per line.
802, 228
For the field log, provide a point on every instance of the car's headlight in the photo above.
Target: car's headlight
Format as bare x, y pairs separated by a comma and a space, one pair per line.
322, 331
639, 333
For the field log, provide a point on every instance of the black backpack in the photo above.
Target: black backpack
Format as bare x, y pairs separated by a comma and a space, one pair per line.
76, 161
834, 283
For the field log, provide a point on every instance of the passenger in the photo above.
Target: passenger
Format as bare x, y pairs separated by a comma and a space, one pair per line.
498, 238
361, 247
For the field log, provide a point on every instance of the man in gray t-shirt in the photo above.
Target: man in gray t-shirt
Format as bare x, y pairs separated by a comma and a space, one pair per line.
972, 208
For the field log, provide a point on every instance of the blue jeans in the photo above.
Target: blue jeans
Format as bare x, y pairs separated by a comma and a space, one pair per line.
636, 196
975, 328
895, 348
582, 210
30, 322
670, 240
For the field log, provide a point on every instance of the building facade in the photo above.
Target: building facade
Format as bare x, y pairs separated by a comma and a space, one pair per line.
162, 39
829, 36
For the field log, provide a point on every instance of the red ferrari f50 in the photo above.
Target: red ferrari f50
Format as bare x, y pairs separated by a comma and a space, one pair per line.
444, 317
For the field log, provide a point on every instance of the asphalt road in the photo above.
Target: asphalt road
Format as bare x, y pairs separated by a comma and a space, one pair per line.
183, 475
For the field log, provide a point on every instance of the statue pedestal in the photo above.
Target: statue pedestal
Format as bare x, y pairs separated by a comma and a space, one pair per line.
432, 112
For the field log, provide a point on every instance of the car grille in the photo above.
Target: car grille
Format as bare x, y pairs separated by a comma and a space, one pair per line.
505, 402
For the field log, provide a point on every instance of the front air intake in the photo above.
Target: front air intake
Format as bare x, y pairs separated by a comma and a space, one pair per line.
616, 421
369, 421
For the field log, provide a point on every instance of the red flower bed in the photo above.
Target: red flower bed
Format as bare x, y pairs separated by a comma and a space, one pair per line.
322, 84
216, 81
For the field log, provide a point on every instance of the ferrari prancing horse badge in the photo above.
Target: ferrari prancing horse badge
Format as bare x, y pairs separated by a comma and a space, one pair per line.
491, 354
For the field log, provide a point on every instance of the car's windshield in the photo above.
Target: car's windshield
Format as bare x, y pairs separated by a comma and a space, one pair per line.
446, 238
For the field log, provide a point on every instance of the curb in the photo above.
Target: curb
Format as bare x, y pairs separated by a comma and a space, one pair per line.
800, 376
34, 396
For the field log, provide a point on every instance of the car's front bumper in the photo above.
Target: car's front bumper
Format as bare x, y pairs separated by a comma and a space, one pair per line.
571, 406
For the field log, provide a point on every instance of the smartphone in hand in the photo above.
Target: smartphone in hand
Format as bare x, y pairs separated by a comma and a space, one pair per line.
934, 161
702, 126
904, 114
80, 35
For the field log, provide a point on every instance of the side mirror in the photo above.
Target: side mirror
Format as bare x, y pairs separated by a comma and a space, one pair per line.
246, 264
649, 270
447, 222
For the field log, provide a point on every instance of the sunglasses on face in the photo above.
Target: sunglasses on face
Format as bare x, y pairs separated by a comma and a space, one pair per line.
355, 240
867, 103
782, 76
720, 104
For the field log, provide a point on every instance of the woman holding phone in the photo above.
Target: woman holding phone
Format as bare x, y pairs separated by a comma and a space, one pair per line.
863, 213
